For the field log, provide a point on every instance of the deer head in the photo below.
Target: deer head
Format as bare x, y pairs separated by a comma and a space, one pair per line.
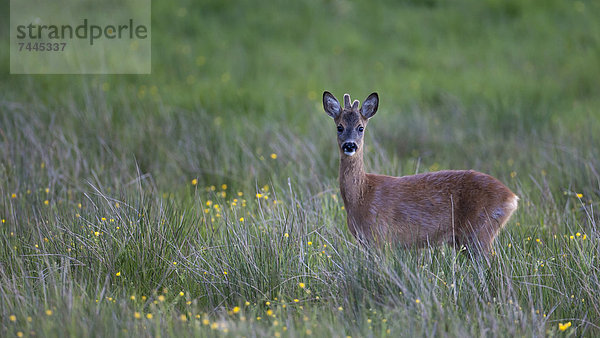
350, 121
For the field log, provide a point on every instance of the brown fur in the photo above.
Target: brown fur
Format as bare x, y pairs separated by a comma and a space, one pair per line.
457, 207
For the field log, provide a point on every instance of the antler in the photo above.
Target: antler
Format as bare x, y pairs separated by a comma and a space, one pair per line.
347, 104
346, 100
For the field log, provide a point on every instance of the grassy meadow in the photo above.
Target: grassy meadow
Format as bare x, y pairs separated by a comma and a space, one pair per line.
203, 199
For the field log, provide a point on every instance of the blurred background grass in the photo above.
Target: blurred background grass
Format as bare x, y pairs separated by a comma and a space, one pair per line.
456, 79
505, 87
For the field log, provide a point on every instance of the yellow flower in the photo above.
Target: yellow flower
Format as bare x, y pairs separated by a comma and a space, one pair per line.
174, 263
214, 326
301, 285
48, 312
296, 300
563, 327
241, 219
118, 274
417, 301
181, 293
236, 309
309, 243
12, 318
223, 186
149, 316
274, 156
340, 308
46, 202
19, 334
578, 234
47, 190
286, 235
132, 297
258, 195
578, 196
269, 312
240, 194
225, 272
205, 321
96, 233
247, 303
161, 298
137, 315
194, 181
13, 195
513, 174
584, 236
183, 318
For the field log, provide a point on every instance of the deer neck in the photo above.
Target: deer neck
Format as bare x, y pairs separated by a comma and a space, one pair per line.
353, 179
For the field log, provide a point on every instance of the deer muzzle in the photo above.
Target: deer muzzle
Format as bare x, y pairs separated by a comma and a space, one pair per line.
349, 148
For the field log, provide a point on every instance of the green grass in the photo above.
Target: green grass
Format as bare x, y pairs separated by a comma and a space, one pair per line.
105, 219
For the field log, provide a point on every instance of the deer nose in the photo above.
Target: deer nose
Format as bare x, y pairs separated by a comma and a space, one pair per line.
349, 148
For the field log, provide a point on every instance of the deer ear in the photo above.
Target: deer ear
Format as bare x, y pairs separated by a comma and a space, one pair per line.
369, 107
331, 105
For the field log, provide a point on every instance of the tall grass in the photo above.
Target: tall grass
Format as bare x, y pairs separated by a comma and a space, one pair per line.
82, 250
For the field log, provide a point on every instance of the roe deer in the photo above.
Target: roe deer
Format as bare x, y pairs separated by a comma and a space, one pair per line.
457, 207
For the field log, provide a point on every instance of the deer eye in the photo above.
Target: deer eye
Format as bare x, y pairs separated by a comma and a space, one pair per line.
340, 128
361, 129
